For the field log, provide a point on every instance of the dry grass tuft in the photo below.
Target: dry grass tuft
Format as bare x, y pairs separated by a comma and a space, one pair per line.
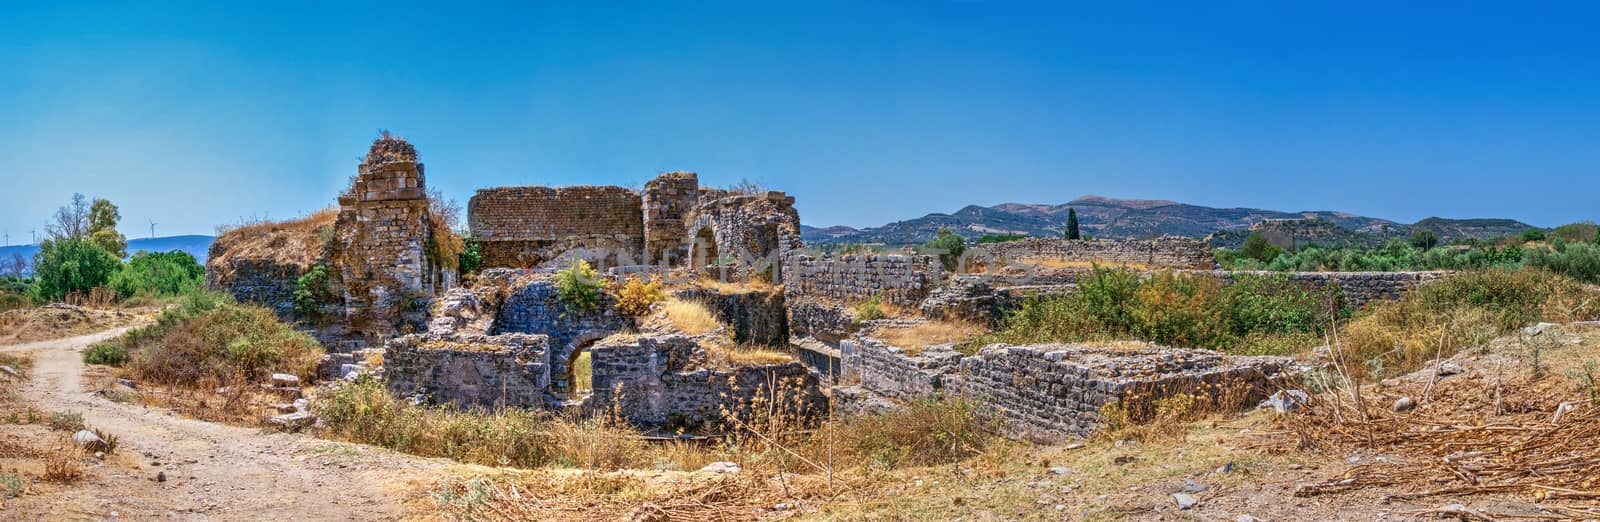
63, 465
693, 317
727, 355
914, 338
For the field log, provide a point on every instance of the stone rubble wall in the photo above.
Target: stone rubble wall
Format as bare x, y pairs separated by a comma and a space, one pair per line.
1052, 392
824, 321
1056, 392
658, 381
262, 282
534, 308
1163, 252
669, 201
754, 316
902, 280
756, 231
470, 371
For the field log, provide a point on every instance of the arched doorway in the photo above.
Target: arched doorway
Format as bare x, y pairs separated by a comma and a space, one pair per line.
705, 249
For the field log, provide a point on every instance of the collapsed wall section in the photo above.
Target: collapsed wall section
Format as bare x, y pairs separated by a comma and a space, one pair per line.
661, 381
901, 280
525, 227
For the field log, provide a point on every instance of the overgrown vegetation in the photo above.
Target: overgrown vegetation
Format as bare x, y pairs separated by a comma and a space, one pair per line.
692, 317
1255, 315
363, 411
870, 309
311, 292
1460, 313
1571, 251
635, 296
158, 274
208, 339
445, 247
578, 287
948, 246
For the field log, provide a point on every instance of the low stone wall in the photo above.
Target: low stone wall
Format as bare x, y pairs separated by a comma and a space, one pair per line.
1055, 391
1164, 252
657, 382
754, 316
894, 372
824, 321
902, 280
1358, 288
470, 371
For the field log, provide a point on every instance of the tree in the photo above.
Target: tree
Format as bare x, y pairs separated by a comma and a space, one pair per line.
158, 273
71, 221
1424, 239
1072, 224
948, 246
71, 264
103, 217
1258, 248
19, 265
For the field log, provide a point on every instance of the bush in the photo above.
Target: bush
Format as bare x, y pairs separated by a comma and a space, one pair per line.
109, 354
1532, 234
158, 274
311, 292
635, 296
1258, 248
949, 248
1256, 314
870, 309
471, 257
999, 238
69, 265
1579, 261
578, 287
1461, 312
208, 338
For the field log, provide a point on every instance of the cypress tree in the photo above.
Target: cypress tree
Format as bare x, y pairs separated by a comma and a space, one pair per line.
1072, 224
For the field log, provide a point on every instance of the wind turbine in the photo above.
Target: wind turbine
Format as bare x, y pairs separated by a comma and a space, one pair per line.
153, 229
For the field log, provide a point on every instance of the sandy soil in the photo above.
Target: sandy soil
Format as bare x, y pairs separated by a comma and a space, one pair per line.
212, 471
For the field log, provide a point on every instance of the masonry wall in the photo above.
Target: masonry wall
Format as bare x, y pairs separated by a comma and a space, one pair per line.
470, 371
893, 372
260, 281
534, 308
902, 280
669, 200
530, 226
655, 381
824, 321
754, 316
756, 230
1164, 252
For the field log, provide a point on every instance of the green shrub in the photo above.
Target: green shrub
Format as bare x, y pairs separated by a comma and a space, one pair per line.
158, 274
207, 338
1532, 234
1579, 261
1258, 248
311, 291
999, 238
471, 257
578, 287
69, 265
870, 309
109, 354
948, 246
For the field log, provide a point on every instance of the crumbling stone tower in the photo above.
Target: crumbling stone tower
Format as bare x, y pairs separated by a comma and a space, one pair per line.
669, 199
380, 244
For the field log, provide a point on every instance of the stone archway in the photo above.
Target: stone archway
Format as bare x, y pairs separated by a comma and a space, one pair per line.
563, 383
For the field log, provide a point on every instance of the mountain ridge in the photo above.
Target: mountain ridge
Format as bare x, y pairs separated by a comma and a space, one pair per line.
1101, 216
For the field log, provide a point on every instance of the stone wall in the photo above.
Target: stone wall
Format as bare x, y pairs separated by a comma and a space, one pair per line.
659, 381
260, 281
1163, 252
1054, 392
824, 321
754, 316
531, 226
754, 231
669, 201
534, 308
470, 371
1358, 288
902, 280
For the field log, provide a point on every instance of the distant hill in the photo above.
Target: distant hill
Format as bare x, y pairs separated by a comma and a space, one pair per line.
195, 245
1138, 218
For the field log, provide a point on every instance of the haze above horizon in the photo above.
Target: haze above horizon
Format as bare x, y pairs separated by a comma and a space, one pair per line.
193, 115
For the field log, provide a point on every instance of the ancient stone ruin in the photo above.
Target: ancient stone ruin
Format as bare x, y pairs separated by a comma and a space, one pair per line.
504, 338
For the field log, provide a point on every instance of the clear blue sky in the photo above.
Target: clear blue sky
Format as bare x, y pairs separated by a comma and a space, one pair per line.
194, 115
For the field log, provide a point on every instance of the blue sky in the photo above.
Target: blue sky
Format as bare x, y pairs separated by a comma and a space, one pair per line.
194, 115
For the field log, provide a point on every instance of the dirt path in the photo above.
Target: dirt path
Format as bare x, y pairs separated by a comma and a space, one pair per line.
212, 471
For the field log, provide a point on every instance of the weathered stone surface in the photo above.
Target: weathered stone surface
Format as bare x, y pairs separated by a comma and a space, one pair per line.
897, 279
293, 421
662, 381
508, 370
534, 308
755, 316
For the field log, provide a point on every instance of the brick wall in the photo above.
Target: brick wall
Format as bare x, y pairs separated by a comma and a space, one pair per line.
902, 280
528, 226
